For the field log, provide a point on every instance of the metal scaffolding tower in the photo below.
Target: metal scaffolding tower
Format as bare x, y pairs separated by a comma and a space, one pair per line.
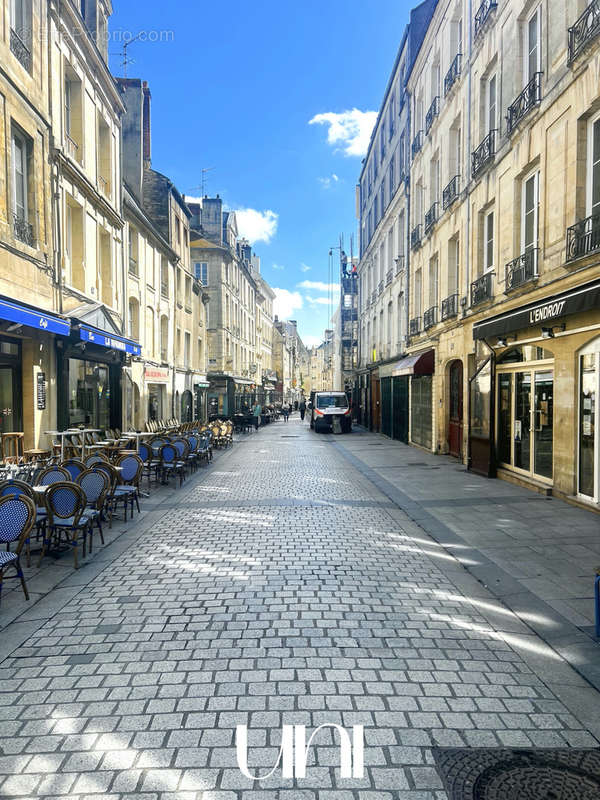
349, 318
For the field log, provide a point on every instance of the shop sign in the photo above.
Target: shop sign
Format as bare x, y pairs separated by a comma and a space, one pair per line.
41, 391
110, 341
153, 374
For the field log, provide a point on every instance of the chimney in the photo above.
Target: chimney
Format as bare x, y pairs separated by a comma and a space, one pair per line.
147, 140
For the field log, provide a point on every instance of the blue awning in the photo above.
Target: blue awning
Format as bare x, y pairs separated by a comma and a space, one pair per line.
33, 318
109, 340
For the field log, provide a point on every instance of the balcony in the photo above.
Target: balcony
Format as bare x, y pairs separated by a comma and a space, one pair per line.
529, 97
103, 185
389, 277
23, 231
374, 297
20, 50
484, 155
584, 31
434, 111
399, 264
164, 290
522, 269
380, 288
415, 238
481, 289
133, 266
450, 193
482, 15
583, 238
72, 148
431, 218
414, 326
430, 318
417, 143
453, 74
450, 307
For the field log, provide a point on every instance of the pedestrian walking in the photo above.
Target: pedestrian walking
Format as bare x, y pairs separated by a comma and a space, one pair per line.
256, 412
302, 409
285, 410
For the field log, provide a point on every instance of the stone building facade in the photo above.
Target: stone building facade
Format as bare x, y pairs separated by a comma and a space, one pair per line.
504, 288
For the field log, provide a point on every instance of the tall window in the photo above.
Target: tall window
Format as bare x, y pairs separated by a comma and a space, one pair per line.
434, 180
187, 346
164, 277
529, 212
418, 292
433, 282
453, 265
593, 170
20, 31
134, 319
392, 176
488, 241
401, 234
455, 151
533, 54
20, 177
399, 322
491, 104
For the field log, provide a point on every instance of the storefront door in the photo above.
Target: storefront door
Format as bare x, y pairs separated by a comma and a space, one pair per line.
525, 435
375, 405
455, 423
588, 483
400, 408
89, 394
421, 410
11, 418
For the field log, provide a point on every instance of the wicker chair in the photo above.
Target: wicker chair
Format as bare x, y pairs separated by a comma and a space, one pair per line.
67, 515
17, 518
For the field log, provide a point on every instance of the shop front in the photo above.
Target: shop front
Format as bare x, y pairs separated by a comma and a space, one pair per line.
90, 374
201, 385
413, 389
27, 369
540, 409
157, 382
394, 401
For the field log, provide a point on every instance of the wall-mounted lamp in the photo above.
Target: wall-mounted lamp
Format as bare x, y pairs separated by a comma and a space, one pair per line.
548, 333
503, 340
13, 328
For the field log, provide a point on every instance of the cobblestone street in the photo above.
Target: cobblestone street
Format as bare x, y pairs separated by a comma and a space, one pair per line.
280, 586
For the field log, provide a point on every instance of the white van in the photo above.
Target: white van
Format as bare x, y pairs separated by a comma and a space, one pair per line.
327, 405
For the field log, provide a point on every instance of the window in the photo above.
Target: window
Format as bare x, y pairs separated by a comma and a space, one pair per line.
104, 165
201, 272
455, 151
533, 54
20, 177
392, 177
488, 244
529, 212
434, 181
188, 292
401, 234
73, 118
399, 326
134, 319
20, 32
177, 231
453, 265
133, 251
106, 267
187, 346
593, 169
73, 244
433, 282
164, 338
417, 299
491, 111
150, 343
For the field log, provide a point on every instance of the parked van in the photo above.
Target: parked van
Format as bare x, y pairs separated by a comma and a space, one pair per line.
326, 406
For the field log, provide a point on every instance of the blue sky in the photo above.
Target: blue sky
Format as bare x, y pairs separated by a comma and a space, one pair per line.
234, 88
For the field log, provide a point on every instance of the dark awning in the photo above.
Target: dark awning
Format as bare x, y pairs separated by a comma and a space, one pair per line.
109, 340
33, 318
541, 313
417, 364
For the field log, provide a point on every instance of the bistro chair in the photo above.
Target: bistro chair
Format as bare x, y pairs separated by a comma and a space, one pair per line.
95, 458
17, 517
13, 447
128, 487
113, 479
74, 467
66, 503
95, 484
149, 460
16, 488
170, 463
53, 474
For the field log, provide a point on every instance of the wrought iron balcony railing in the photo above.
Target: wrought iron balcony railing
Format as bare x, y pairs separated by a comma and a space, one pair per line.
374, 297
415, 237
23, 231
481, 289
399, 264
389, 277
529, 97
434, 111
380, 288
72, 147
453, 74
522, 269
584, 30
583, 238
430, 318
450, 307
450, 193
20, 50
417, 143
482, 15
414, 326
431, 217
484, 154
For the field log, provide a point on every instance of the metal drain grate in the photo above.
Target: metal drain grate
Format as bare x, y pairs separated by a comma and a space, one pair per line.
498, 774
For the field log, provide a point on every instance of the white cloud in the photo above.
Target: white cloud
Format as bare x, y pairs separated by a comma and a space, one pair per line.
317, 301
328, 182
278, 266
312, 341
286, 303
319, 286
189, 199
348, 130
256, 226
305, 268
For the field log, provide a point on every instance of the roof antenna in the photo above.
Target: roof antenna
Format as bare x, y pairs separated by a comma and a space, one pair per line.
125, 58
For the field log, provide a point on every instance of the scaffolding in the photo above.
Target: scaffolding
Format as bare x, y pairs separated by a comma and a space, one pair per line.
348, 319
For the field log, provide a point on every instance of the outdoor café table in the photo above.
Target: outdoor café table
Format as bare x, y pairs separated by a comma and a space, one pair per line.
137, 435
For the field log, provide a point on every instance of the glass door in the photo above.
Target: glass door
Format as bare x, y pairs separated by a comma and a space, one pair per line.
522, 421
588, 429
7, 409
543, 423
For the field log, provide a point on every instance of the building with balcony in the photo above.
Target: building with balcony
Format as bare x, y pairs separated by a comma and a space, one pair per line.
386, 238
503, 282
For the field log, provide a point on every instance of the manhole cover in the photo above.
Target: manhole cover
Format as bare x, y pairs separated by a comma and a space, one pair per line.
481, 774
